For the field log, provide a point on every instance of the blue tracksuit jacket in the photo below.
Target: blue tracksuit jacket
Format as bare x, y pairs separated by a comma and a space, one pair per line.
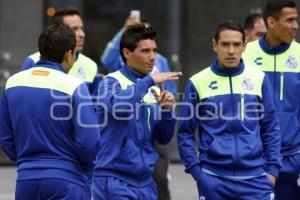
83, 68
233, 114
47, 124
281, 65
131, 124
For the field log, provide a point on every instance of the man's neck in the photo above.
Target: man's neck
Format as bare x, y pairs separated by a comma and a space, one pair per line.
272, 41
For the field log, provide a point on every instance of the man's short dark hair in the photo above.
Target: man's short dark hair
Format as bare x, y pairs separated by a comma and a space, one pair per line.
57, 18
229, 25
133, 35
55, 41
251, 19
274, 7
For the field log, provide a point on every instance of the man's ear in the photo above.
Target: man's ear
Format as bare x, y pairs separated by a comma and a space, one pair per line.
68, 55
126, 53
214, 44
271, 22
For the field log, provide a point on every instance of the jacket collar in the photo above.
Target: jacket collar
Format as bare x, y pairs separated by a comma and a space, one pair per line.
131, 74
51, 65
225, 72
272, 50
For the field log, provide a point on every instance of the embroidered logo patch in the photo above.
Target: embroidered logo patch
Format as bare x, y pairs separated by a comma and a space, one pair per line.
247, 84
291, 62
213, 85
81, 73
40, 73
258, 61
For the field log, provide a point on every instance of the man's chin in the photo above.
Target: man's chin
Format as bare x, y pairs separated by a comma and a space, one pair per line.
79, 49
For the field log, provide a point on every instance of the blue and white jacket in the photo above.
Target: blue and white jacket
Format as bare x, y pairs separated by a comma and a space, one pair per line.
131, 122
47, 124
112, 61
281, 65
83, 68
233, 114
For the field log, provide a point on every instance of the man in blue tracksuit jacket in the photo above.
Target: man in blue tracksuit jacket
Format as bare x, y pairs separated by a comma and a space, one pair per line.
278, 55
84, 67
47, 123
112, 61
229, 105
132, 119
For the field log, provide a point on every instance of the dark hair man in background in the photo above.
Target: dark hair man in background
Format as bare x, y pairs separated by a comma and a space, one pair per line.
254, 27
83, 68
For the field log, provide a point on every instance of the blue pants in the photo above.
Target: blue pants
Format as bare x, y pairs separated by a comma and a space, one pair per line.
286, 185
217, 188
50, 189
110, 188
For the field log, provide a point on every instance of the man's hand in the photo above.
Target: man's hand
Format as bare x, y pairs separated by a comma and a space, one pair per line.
166, 76
131, 21
165, 99
272, 178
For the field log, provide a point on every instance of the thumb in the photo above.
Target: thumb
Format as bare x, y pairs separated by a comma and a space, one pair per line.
155, 94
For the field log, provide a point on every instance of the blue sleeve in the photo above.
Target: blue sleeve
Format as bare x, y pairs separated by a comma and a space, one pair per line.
28, 63
187, 128
163, 66
111, 58
6, 131
116, 99
164, 129
86, 131
93, 88
270, 133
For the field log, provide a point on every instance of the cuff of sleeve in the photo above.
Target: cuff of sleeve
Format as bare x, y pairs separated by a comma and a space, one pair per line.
196, 171
167, 114
148, 80
273, 170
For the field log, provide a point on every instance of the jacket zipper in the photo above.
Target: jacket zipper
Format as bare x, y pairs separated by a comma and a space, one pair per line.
148, 109
281, 86
142, 144
235, 136
281, 82
274, 79
242, 107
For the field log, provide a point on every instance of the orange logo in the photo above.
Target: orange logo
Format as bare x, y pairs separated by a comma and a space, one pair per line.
40, 73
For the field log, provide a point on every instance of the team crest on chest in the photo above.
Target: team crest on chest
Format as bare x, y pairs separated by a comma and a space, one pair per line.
291, 62
81, 73
247, 84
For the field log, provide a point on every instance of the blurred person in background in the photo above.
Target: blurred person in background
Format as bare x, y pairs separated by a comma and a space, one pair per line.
43, 127
112, 61
254, 27
277, 54
229, 106
84, 67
